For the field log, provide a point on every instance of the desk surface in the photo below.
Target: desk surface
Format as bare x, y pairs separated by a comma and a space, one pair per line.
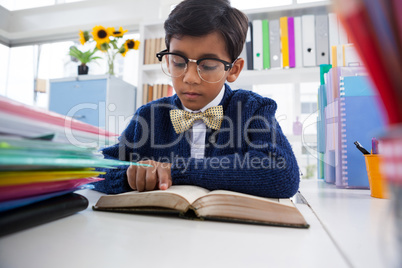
360, 225
344, 229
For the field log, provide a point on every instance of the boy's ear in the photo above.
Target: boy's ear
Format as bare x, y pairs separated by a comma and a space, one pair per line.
235, 71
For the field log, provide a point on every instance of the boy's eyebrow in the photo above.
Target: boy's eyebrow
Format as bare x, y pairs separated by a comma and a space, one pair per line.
208, 55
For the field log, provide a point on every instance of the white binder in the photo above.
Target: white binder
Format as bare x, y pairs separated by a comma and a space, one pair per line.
298, 42
322, 40
343, 36
308, 36
333, 33
257, 45
275, 44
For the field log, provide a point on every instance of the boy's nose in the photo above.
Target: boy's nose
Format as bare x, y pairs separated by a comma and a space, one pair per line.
191, 75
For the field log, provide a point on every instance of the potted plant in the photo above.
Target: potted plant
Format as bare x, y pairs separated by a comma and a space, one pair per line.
83, 57
109, 41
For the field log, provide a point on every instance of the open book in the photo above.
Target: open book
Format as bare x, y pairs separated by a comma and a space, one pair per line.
194, 201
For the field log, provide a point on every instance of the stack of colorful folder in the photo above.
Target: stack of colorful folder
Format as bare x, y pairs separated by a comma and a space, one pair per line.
44, 159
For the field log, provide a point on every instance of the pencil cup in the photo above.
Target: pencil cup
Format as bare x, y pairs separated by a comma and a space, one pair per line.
377, 183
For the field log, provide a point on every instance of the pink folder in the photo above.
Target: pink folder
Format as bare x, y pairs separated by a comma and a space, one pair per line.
291, 40
31, 189
19, 109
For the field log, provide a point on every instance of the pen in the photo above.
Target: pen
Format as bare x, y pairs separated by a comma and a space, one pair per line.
374, 146
361, 148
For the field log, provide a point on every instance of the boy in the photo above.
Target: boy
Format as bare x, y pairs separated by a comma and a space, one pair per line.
234, 141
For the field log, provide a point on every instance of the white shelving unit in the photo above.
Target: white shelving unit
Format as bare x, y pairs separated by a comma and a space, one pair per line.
153, 74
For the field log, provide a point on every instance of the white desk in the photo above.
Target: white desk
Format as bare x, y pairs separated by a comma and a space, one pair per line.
103, 239
360, 225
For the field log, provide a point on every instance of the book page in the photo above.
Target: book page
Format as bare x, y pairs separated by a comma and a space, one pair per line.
189, 192
273, 200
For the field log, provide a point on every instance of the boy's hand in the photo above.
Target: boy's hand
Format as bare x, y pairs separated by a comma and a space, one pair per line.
149, 178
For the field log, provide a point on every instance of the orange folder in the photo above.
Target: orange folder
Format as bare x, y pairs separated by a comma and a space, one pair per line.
283, 22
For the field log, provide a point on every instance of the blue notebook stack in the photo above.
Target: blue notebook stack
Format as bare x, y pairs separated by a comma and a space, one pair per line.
361, 119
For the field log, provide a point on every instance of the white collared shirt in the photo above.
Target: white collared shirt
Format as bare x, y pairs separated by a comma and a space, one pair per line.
198, 130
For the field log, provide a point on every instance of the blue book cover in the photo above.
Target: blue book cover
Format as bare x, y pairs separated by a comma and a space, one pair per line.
361, 119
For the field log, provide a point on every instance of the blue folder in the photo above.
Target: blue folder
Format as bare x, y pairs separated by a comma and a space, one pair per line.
361, 119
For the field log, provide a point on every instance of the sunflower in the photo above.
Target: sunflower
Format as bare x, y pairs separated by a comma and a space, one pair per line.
131, 44
101, 34
119, 33
84, 37
136, 45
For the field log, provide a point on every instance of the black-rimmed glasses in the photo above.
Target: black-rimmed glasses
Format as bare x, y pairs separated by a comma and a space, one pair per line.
210, 70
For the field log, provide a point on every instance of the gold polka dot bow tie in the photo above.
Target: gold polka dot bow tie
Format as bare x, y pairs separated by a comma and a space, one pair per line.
183, 120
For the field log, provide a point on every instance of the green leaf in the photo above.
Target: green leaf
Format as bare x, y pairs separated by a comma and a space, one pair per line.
83, 57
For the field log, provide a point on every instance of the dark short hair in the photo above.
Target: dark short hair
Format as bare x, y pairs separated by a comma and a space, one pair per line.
202, 17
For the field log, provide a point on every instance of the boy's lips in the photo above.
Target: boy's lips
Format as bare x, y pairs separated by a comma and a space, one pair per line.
191, 95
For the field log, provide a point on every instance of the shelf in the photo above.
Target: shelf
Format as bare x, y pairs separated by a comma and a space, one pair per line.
153, 29
277, 76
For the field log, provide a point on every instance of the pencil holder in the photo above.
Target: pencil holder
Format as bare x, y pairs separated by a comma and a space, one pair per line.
378, 185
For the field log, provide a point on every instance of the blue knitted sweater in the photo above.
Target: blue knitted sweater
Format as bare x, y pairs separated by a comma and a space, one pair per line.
249, 154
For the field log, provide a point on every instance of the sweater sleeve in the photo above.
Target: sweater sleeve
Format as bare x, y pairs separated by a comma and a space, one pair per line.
266, 166
115, 179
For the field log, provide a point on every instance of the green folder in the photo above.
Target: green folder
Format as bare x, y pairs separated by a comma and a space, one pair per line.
265, 45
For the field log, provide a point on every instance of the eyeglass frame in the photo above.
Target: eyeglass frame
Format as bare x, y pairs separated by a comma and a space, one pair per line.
165, 52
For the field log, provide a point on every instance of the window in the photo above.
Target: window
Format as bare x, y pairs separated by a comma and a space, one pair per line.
17, 71
20, 78
308, 102
4, 55
308, 107
280, 93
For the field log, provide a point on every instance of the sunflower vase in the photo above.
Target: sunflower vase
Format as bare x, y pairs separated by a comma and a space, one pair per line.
107, 41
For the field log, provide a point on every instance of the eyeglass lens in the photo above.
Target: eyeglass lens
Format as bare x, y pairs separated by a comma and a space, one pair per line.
211, 71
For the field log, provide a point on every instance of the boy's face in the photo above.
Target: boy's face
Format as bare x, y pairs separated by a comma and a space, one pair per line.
195, 93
